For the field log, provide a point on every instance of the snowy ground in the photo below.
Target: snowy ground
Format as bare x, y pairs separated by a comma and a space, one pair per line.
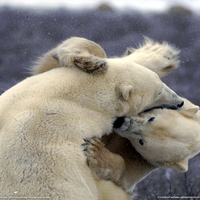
26, 34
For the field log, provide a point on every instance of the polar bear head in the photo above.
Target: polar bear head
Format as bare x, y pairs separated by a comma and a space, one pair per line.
132, 89
166, 138
136, 87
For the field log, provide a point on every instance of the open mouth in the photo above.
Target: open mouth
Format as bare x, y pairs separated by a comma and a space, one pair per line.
164, 106
120, 120
161, 107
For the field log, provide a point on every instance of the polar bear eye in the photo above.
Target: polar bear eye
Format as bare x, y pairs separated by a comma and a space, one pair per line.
141, 142
151, 119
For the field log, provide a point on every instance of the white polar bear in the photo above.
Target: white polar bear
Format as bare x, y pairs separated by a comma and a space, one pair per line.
163, 138
158, 138
44, 119
175, 133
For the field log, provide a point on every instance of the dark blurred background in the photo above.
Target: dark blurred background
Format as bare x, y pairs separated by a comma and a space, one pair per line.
26, 34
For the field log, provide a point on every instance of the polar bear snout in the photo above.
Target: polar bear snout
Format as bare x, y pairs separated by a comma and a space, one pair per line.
170, 98
118, 122
181, 104
178, 104
176, 107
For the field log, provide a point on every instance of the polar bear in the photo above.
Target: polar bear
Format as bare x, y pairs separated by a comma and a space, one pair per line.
44, 119
148, 140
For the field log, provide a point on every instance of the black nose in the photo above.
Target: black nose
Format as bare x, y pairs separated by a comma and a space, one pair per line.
181, 104
118, 122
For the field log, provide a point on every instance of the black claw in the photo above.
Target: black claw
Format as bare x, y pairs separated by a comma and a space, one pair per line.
86, 140
95, 139
103, 64
55, 57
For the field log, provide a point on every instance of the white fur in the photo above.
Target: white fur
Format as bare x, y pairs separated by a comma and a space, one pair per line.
169, 138
44, 119
161, 58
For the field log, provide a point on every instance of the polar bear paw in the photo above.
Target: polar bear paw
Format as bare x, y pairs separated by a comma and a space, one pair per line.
92, 147
83, 60
105, 164
162, 58
94, 150
91, 65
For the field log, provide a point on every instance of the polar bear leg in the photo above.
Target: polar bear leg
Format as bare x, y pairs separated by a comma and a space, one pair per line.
105, 164
90, 64
82, 53
74, 52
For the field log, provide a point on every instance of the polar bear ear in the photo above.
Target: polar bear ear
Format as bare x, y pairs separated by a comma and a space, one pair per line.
125, 91
181, 165
190, 111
